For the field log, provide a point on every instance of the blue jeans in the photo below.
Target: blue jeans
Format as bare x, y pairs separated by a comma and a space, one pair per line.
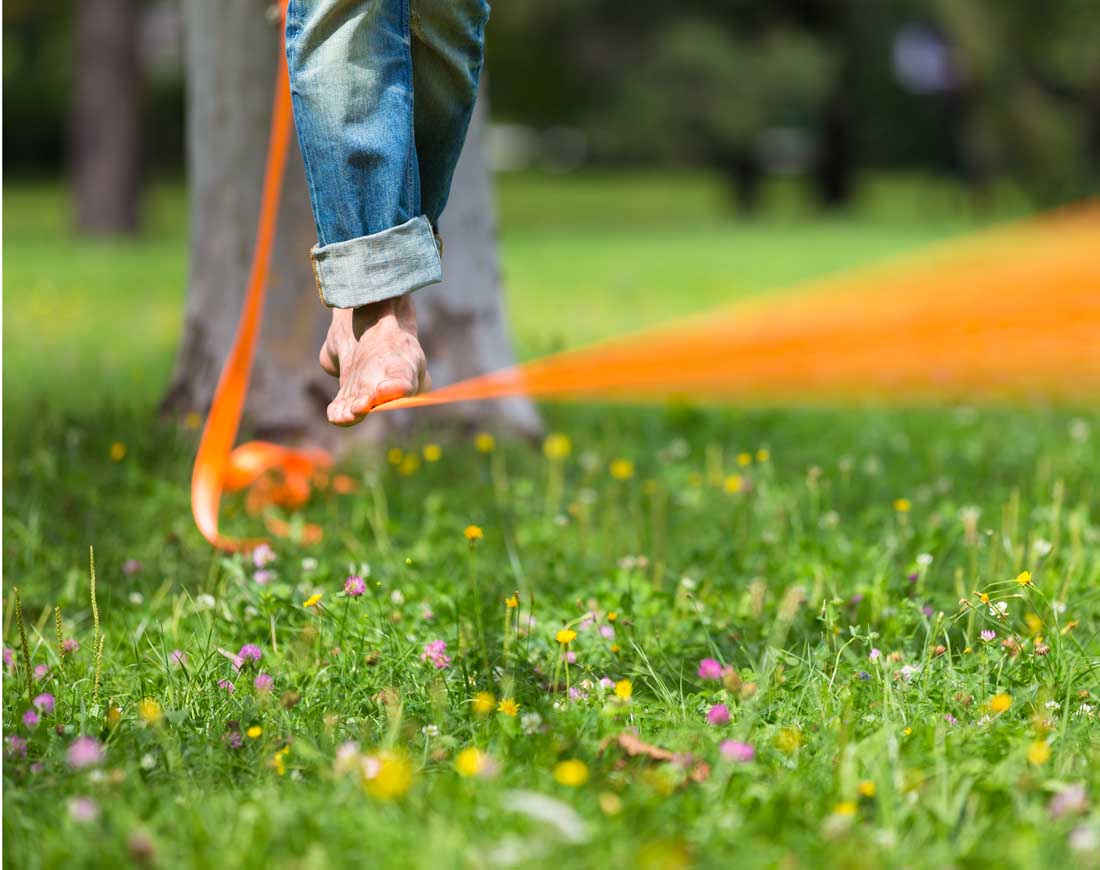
383, 91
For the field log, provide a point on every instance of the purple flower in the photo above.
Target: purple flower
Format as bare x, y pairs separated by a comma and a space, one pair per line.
435, 651
1069, 801
863, 675
30, 719
84, 752
41, 672
856, 599
874, 654
426, 614
735, 750
263, 555
355, 586
719, 714
178, 657
131, 567
927, 610
263, 683
9, 658
17, 746
987, 634
250, 653
710, 669
83, 809
949, 719
263, 576
232, 739
607, 683
576, 694
571, 657
607, 632
228, 686
70, 645
44, 703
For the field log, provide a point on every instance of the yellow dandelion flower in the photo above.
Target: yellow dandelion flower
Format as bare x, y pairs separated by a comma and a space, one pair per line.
866, 789
470, 762
1000, 702
744, 459
572, 772
432, 452
845, 808
907, 731
254, 732
473, 533
557, 446
1024, 578
763, 455
610, 803
410, 464
150, 711
278, 760
192, 420
1034, 623
788, 739
117, 451
734, 483
313, 600
622, 469
1038, 752
394, 455
508, 707
512, 601
387, 775
612, 615
484, 442
483, 703
565, 635
902, 505
614, 647
624, 689
983, 597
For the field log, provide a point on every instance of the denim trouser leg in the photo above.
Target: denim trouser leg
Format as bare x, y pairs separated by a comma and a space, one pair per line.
382, 94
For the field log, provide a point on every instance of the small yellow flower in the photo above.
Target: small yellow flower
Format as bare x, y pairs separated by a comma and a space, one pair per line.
512, 601
557, 446
278, 760
1038, 752
484, 442
744, 459
612, 616
313, 600
999, 703
614, 647
983, 597
473, 533
114, 715
866, 789
610, 803
572, 773
907, 731
150, 711
1024, 578
622, 469
845, 808
565, 635
763, 455
470, 762
395, 455
254, 732
788, 739
624, 689
432, 453
734, 483
410, 464
508, 707
117, 451
483, 703
1034, 623
902, 505
387, 775
192, 420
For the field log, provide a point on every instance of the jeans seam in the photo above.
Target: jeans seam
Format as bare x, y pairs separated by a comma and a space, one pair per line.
410, 180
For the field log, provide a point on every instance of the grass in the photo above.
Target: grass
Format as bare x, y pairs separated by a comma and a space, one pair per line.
787, 544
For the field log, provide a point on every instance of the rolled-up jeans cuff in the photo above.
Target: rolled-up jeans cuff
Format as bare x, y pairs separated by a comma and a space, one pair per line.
380, 266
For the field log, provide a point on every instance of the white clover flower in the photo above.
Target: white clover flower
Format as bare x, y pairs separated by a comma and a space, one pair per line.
430, 731
1042, 547
136, 598
1053, 705
998, 609
397, 597
924, 559
205, 601
530, 722
148, 762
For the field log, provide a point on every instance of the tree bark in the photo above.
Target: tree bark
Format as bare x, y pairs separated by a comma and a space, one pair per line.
230, 54
104, 136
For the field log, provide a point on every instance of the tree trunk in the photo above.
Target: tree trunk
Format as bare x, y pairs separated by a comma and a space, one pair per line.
104, 142
231, 53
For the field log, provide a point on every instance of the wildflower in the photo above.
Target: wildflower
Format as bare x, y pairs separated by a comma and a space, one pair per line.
622, 469
1071, 800
262, 577
83, 809
17, 746
999, 703
530, 723
744, 459
999, 610
1034, 623
473, 762
114, 715
278, 760
313, 600
565, 635
763, 455
950, 720
432, 452
254, 732
607, 632
41, 672
1084, 839
557, 446
719, 714
902, 505
435, 651
387, 775
624, 689
117, 451
734, 483
84, 752
612, 616
845, 808
178, 657
508, 707
263, 683
30, 720
710, 669
736, 751
227, 686
1024, 578
263, 555
483, 703
1038, 752
571, 657
473, 533
874, 654
355, 586
484, 442
572, 772
394, 455
866, 789
150, 711
512, 602
68, 646
987, 634
924, 559
250, 653
788, 739
44, 703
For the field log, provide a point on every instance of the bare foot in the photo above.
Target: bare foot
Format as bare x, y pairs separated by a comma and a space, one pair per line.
375, 353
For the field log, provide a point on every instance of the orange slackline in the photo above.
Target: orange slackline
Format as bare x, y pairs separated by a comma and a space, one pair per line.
1011, 313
